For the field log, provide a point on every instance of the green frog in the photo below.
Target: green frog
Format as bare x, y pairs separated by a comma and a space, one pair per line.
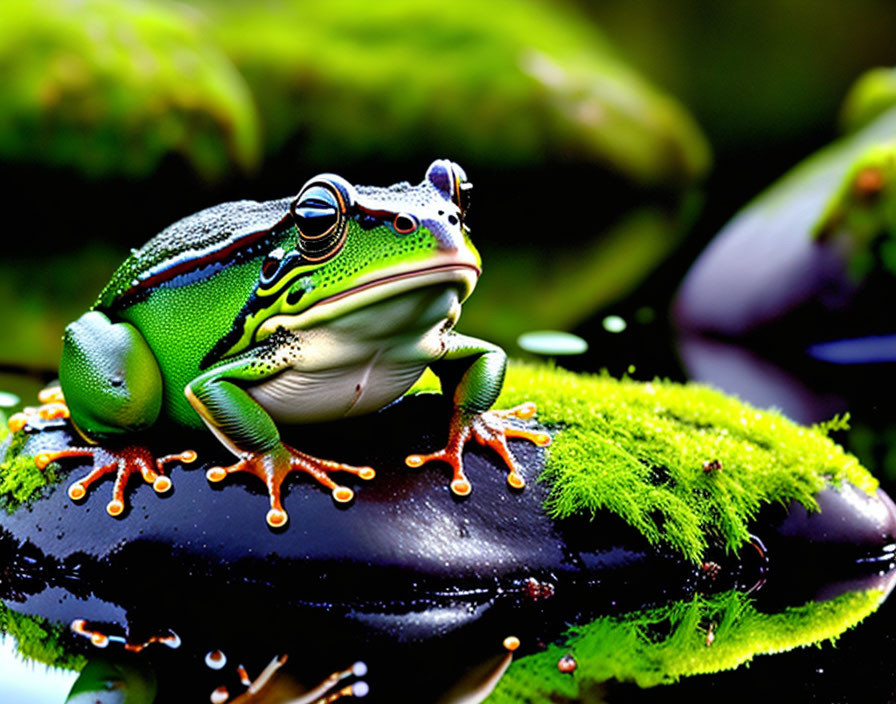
247, 315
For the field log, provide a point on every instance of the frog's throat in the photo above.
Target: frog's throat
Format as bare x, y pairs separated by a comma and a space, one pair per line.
368, 293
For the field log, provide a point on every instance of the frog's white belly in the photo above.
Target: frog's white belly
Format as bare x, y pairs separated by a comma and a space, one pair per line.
361, 361
300, 396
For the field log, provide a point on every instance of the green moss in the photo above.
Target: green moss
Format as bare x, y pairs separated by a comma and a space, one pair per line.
661, 645
38, 639
20, 479
639, 450
114, 86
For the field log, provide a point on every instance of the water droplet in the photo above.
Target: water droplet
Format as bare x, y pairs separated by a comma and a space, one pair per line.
552, 342
614, 323
8, 400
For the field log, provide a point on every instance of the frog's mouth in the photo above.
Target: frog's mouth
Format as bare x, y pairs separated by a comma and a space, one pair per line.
461, 274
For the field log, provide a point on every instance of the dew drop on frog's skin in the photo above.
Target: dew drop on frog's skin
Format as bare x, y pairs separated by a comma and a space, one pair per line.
220, 695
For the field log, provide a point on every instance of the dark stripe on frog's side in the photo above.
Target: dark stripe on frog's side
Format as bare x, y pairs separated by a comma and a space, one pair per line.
224, 346
196, 247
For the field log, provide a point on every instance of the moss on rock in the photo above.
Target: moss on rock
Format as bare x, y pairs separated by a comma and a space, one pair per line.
20, 479
683, 464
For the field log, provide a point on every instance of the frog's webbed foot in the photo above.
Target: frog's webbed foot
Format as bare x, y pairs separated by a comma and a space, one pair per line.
273, 466
53, 407
123, 462
489, 428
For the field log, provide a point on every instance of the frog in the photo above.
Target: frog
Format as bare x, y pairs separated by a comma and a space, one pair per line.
248, 316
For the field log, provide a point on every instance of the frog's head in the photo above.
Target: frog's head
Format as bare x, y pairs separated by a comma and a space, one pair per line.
350, 247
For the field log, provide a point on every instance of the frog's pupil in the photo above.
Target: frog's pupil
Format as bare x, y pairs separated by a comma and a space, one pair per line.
315, 218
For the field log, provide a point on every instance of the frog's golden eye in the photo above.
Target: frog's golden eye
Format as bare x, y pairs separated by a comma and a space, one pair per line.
319, 213
405, 224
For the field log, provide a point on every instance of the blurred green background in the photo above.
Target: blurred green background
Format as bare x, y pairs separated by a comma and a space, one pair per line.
607, 141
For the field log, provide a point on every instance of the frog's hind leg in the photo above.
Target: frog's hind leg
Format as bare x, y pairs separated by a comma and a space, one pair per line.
111, 387
124, 463
110, 378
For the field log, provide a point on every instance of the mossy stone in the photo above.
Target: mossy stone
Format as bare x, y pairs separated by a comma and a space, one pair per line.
685, 465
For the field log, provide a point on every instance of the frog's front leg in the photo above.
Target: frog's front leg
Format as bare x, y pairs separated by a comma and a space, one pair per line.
474, 369
245, 428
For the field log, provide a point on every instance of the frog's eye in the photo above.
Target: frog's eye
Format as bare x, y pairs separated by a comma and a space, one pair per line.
451, 181
319, 212
405, 224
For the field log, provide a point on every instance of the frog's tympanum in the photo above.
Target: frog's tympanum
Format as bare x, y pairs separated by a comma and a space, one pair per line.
302, 310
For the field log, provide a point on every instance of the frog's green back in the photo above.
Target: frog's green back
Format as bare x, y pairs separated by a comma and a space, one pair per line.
185, 287
191, 247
